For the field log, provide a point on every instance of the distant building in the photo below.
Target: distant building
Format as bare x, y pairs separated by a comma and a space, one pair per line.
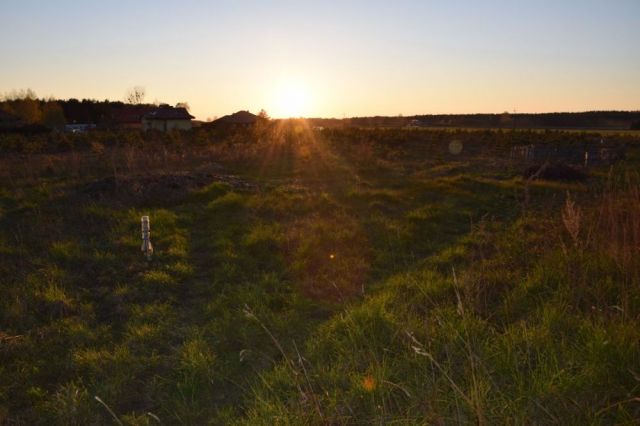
166, 117
238, 119
130, 116
9, 121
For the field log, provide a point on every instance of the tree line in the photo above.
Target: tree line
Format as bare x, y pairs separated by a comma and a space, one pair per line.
603, 120
52, 113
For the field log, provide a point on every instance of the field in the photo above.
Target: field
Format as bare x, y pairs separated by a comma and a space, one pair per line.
301, 276
600, 132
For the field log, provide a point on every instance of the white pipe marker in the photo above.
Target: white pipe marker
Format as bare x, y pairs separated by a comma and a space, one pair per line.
147, 248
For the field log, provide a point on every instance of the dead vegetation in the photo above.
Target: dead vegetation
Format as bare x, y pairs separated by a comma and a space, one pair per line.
167, 187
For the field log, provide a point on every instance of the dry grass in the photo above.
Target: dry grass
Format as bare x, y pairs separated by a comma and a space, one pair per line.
342, 258
619, 224
571, 217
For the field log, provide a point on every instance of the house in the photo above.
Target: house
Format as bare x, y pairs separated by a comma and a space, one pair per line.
238, 119
9, 121
130, 116
166, 117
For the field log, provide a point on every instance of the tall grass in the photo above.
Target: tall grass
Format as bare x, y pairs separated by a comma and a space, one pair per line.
366, 277
605, 239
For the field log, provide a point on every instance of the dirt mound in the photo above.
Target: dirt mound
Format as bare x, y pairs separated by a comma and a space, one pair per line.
561, 172
159, 187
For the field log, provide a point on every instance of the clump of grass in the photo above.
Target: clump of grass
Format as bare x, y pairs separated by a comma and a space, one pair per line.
72, 405
227, 204
66, 251
607, 234
571, 217
330, 257
620, 223
156, 277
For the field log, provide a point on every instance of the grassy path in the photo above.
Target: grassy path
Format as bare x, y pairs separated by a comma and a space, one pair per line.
324, 295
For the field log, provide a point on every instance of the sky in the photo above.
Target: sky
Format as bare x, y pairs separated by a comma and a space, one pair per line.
329, 58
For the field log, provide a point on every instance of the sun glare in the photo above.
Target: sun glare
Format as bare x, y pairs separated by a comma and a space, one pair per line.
291, 99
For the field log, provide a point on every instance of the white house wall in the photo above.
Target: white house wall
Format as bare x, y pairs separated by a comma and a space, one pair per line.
166, 125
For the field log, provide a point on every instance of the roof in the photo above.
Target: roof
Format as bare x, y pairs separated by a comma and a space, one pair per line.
131, 113
240, 117
166, 112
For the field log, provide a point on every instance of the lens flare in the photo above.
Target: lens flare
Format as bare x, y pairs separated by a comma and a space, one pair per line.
455, 147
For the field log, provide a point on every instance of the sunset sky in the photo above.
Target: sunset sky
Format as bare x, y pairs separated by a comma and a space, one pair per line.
329, 58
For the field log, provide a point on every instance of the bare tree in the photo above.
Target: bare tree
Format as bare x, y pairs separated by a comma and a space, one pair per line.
135, 95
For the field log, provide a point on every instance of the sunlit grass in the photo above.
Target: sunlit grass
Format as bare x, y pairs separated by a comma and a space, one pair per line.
339, 277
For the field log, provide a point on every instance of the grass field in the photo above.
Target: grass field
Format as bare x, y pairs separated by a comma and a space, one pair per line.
343, 276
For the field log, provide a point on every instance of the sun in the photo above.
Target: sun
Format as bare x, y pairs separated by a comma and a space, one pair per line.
291, 99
